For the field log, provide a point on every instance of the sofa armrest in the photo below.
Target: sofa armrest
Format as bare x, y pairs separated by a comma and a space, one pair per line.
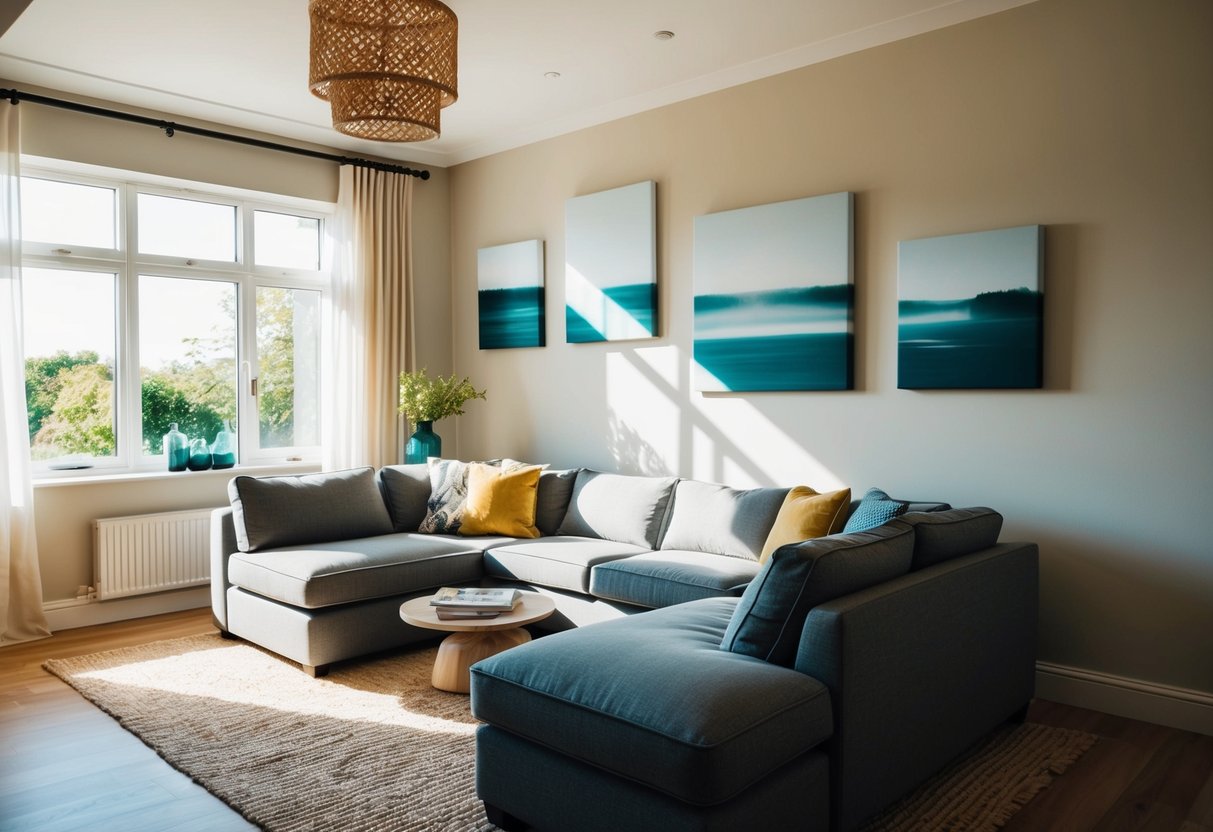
223, 546
920, 668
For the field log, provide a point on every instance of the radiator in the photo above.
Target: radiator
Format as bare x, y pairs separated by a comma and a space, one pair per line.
151, 552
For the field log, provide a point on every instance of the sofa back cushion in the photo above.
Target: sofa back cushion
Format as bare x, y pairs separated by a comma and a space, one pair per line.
552, 502
772, 611
406, 488
308, 508
943, 535
720, 520
617, 507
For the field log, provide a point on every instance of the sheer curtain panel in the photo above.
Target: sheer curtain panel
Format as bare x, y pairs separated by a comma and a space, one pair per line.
371, 319
21, 615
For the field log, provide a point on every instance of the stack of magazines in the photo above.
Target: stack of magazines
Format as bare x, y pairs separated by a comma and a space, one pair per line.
454, 603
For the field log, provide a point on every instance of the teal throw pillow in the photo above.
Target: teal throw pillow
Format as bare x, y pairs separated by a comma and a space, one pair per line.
875, 509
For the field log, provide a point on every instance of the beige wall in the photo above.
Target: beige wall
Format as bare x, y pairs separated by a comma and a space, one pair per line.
65, 512
1089, 117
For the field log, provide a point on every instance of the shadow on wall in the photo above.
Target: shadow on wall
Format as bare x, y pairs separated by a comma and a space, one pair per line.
631, 452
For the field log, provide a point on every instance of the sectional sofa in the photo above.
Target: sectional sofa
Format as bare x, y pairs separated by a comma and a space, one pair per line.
810, 691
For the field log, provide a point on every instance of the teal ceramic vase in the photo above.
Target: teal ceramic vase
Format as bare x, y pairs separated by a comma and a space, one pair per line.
423, 444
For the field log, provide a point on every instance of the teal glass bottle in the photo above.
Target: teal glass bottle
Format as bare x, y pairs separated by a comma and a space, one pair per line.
424, 443
223, 449
200, 456
176, 448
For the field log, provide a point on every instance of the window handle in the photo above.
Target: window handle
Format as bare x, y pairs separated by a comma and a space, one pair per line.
252, 380
62, 251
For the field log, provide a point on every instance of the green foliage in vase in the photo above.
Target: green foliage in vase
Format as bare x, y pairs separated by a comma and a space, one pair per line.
426, 399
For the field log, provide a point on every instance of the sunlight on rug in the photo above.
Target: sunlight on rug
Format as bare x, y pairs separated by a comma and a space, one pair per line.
374, 746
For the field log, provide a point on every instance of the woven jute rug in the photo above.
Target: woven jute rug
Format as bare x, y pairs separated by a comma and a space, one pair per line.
373, 746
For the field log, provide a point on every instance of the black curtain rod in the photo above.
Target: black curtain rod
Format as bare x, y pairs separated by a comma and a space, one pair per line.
169, 128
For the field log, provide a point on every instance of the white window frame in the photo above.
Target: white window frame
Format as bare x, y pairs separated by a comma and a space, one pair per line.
126, 262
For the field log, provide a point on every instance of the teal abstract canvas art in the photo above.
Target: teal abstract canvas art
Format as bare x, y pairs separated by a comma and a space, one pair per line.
970, 310
773, 297
610, 269
510, 297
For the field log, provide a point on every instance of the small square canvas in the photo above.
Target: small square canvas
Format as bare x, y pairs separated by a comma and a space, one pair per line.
773, 296
510, 296
610, 269
970, 310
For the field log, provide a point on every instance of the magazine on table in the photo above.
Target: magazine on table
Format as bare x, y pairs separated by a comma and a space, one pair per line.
475, 598
446, 614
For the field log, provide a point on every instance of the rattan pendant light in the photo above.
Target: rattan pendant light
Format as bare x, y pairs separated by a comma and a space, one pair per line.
387, 67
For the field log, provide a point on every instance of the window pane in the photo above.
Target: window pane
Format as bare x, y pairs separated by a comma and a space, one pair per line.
288, 376
187, 357
67, 213
186, 228
286, 241
69, 362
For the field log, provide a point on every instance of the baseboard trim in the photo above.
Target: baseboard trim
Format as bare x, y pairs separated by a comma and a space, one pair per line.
73, 613
1190, 710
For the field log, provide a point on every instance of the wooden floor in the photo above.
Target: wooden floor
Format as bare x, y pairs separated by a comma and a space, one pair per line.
65, 765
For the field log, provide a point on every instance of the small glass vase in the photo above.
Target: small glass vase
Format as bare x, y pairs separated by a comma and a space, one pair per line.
200, 456
223, 449
176, 448
423, 444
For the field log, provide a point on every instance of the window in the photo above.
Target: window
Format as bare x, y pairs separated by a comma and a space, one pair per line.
145, 307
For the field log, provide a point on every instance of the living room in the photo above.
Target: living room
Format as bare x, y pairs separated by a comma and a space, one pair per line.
1088, 118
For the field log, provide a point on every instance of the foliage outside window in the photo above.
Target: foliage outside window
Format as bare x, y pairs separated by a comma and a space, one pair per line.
128, 329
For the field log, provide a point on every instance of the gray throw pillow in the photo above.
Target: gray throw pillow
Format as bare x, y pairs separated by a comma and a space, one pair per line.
771, 614
625, 509
406, 490
720, 520
269, 512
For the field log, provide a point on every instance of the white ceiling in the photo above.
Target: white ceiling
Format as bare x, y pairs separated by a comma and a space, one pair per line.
244, 62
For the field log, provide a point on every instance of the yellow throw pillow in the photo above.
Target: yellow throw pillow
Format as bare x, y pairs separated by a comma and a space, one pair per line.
805, 514
501, 501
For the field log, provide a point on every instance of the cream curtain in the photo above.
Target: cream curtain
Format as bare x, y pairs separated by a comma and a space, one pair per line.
371, 319
21, 615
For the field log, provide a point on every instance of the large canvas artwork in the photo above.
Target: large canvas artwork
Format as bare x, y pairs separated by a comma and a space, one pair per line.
773, 296
510, 296
610, 271
970, 310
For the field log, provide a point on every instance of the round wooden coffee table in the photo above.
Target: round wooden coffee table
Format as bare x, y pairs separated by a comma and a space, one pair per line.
474, 639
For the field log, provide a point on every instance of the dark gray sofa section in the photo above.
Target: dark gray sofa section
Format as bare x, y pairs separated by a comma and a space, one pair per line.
920, 663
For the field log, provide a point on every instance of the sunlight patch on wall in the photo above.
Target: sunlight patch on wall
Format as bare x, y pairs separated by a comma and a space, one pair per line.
644, 420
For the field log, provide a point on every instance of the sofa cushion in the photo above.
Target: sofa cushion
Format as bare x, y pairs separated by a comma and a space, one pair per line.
306, 508
617, 507
562, 562
680, 716
713, 518
448, 494
501, 501
943, 535
800, 576
555, 491
805, 514
406, 489
875, 508
670, 576
339, 572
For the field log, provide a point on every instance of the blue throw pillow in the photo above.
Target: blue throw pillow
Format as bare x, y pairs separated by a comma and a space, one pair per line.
875, 509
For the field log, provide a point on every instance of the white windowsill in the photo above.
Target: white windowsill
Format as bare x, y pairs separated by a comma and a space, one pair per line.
254, 470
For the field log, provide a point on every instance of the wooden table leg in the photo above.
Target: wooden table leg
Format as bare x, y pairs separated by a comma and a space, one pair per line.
459, 651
